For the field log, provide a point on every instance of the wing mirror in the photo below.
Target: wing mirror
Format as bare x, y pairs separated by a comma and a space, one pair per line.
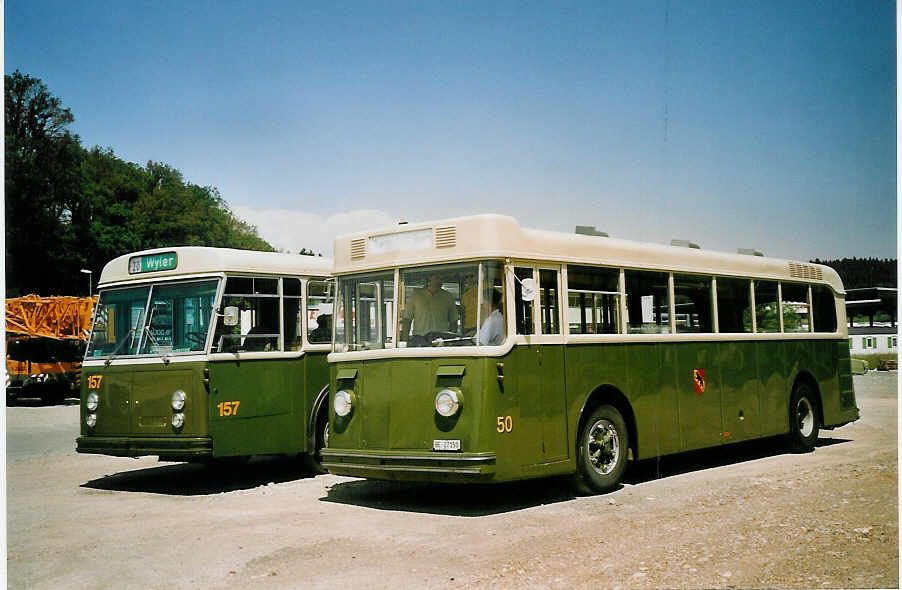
230, 316
528, 289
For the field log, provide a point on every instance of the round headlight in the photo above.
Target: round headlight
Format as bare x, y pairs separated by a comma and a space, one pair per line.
447, 402
178, 400
178, 420
91, 420
343, 402
92, 401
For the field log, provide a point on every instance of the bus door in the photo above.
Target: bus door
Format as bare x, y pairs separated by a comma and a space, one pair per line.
257, 403
535, 371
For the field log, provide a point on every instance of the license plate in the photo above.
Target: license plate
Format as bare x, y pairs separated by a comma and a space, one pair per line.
445, 445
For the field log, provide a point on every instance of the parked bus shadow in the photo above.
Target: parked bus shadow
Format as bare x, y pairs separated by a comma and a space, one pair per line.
474, 500
198, 479
451, 499
671, 465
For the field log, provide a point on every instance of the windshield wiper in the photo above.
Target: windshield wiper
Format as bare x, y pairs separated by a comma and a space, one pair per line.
119, 344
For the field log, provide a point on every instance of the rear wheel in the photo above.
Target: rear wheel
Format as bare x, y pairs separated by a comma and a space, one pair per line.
602, 448
804, 424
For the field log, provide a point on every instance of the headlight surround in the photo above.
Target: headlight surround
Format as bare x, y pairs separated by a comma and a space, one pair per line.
178, 420
178, 400
91, 420
343, 402
448, 402
92, 401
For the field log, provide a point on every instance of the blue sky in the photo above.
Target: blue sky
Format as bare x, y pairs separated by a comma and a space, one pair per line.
769, 125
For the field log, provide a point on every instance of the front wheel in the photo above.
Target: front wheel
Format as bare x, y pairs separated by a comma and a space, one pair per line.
320, 441
602, 448
803, 420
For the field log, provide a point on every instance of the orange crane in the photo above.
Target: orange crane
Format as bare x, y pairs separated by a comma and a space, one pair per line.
45, 342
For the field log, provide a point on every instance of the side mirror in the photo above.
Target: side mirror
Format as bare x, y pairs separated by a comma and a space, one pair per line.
528, 289
230, 316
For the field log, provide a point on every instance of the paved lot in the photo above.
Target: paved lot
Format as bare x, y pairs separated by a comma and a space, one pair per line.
744, 516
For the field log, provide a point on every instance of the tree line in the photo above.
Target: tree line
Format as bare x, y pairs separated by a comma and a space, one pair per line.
70, 208
857, 273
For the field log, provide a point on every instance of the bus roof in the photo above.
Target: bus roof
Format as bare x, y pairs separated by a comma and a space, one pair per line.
500, 236
190, 260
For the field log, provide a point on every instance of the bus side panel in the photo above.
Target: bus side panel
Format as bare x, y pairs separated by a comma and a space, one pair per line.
839, 399
252, 407
773, 386
738, 373
701, 415
522, 402
650, 387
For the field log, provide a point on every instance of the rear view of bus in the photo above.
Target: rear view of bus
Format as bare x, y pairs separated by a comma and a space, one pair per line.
202, 353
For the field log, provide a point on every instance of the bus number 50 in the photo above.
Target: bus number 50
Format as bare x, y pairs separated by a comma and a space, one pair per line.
505, 424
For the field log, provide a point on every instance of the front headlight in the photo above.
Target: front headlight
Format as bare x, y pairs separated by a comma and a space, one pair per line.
91, 420
178, 420
178, 400
343, 403
447, 402
92, 401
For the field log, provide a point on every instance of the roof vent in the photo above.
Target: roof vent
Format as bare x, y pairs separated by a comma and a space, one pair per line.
446, 236
402, 221
805, 271
358, 248
749, 252
589, 230
685, 244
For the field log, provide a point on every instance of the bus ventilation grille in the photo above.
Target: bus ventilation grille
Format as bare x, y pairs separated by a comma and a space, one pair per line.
805, 271
358, 248
446, 237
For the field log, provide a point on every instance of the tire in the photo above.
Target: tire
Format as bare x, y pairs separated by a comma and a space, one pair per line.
320, 440
601, 451
804, 424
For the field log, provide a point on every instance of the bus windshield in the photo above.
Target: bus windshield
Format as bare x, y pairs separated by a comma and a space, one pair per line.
153, 319
452, 305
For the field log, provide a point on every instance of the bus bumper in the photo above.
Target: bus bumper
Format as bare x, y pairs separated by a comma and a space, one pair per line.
410, 466
123, 446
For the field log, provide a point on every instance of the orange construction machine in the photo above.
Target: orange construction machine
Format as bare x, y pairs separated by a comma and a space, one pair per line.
45, 342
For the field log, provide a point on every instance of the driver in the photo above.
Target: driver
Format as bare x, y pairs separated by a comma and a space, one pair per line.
430, 309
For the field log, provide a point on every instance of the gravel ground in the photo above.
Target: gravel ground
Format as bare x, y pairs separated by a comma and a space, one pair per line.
746, 516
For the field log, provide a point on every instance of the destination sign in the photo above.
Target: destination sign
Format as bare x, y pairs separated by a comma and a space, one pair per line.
152, 262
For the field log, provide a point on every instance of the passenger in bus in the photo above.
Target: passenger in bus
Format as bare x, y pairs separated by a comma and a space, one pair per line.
492, 331
468, 298
430, 309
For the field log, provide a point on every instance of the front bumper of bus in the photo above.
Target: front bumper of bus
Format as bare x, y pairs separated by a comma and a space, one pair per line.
410, 465
123, 446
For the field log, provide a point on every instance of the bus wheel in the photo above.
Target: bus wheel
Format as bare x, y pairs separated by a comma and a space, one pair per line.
602, 449
320, 441
803, 421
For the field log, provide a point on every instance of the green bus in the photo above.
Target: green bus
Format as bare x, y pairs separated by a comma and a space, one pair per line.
472, 349
204, 353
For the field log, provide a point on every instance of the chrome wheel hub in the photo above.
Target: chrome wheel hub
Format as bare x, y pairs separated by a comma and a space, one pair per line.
603, 447
805, 417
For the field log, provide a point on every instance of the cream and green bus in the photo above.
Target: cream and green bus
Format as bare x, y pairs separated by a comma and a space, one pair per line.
204, 353
473, 349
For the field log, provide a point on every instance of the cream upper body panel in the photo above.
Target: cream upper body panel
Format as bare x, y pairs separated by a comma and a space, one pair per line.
500, 236
194, 260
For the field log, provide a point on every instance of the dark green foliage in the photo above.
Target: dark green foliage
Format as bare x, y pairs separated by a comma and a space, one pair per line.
69, 208
857, 273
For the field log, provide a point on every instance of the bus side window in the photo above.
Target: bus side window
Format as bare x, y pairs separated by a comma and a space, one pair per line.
319, 311
647, 302
796, 311
766, 308
548, 290
593, 298
824, 308
257, 300
522, 309
692, 304
291, 312
734, 307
